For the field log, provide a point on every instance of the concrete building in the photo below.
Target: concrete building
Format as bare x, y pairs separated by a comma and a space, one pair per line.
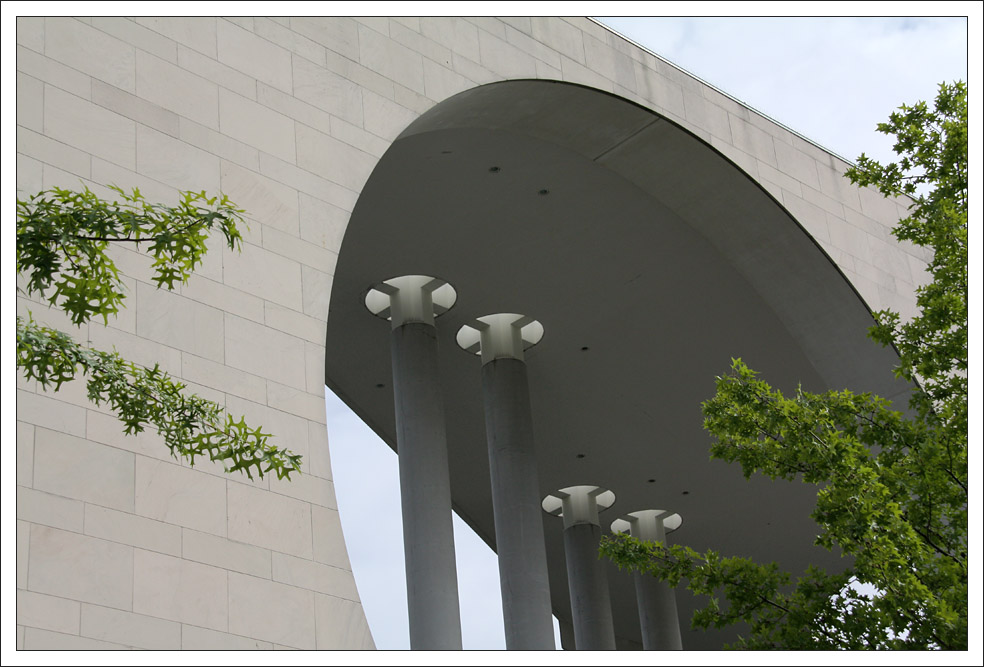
645, 225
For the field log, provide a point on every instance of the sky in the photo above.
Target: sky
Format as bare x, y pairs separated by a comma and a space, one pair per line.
829, 79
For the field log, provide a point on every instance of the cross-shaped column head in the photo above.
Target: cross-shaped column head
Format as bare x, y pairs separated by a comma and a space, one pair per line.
500, 336
408, 299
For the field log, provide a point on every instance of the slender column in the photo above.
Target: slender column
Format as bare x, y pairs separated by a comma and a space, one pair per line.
591, 606
411, 303
656, 599
501, 339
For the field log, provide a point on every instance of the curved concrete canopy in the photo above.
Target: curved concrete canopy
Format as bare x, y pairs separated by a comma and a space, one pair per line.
651, 261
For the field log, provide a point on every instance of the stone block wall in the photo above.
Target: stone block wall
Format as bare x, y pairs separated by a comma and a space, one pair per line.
118, 544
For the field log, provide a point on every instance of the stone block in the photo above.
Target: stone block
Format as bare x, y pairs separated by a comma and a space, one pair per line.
179, 322
271, 611
267, 201
575, 72
441, 82
180, 590
314, 576
300, 250
223, 378
226, 554
812, 218
780, 178
199, 639
294, 323
289, 431
306, 181
329, 547
80, 567
339, 35
256, 125
613, 65
48, 151
253, 55
385, 118
89, 127
341, 624
392, 60
293, 107
837, 186
107, 429
123, 627
213, 70
182, 496
36, 639
92, 51
270, 520
849, 238
47, 612
54, 414
306, 487
177, 90
319, 458
265, 274
456, 33
314, 356
216, 294
752, 140
49, 510
412, 39
30, 175
828, 204
327, 91
333, 160
195, 32
72, 467
877, 206
321, 223
888, 256
281, 34
25, 454
23, 552
707, 116
662, 94
131, 32
357, 137
30, 32
176, 163
503, 58
30, 102
134, 530
380, 24
797, 165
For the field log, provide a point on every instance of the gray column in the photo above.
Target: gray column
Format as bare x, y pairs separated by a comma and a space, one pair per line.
522, 555
656, 599
411, 302
591, 607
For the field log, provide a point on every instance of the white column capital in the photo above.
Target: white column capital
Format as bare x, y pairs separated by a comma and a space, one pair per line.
500, 336
578, 504
648, 525
408, 299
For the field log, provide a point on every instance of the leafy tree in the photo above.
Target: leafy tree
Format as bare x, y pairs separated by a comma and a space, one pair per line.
62, 242
893, 488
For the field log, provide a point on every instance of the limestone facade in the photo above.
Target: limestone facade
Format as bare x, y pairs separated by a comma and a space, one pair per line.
118, 544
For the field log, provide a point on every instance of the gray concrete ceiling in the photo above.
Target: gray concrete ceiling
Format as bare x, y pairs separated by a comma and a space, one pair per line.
651, 261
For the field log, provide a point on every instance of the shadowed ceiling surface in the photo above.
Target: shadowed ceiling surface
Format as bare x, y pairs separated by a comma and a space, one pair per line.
651, 260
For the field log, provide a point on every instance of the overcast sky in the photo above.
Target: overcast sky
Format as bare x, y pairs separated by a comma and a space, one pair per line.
829, 79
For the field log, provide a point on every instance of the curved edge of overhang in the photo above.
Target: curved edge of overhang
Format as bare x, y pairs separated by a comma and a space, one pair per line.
483, 107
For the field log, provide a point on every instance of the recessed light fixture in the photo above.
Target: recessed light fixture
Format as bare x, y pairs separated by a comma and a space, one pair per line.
585, 348
580, 456
544, 192
494, 170
380, 385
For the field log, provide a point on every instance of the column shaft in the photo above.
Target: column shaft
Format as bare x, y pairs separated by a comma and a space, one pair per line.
516, 504
425, 489
657, 614
591, 605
